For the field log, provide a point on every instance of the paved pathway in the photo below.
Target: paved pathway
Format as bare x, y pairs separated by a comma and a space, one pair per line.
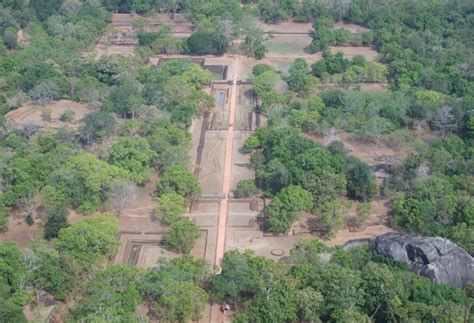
226, 186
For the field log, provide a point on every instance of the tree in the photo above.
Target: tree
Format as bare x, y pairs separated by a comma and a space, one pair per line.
10, 312
96, 125
180, 180
171, 207
326, 187
251, 143
309, 303
360, 181
44, 9
134, 155
181, 301
10, 270
86, 180
245, 188
52, 198
265, 82
44, 92
126, 98
49, 272
236, 279
107, 70
175, 288
444, 122
276, 304
9, 38
204, 42
271, 12
330, 217
171, 145
341, 36
122, 193
181, 236
261, 68
308, 250
255, 43
299, 81
90, 240
112, 295
331, 64
429, 208
3, 217
286, 207
322, 39
162, 42
55, 221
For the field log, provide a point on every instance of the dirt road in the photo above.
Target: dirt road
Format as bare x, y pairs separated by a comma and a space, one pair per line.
226, 186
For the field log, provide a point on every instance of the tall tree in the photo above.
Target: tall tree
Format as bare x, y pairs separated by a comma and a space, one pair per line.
55, 221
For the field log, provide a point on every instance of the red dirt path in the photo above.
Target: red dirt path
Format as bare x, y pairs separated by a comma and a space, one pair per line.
226, 186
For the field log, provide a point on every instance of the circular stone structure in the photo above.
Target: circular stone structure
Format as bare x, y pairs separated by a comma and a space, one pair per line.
278, 252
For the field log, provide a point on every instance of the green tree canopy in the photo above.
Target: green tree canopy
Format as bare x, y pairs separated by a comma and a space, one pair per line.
134, 155
181, 236
286, 207
204, 42
171, 207
55, 221
85, 180
90, 240
180, 180
111, 295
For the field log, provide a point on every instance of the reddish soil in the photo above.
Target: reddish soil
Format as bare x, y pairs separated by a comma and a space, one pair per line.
22, 37
368, 153
105, 50
23, 234
344, 236
179, 23
226, 187
20, 232
31, 113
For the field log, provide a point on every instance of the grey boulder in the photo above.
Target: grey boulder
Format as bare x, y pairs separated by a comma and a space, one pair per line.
439, 259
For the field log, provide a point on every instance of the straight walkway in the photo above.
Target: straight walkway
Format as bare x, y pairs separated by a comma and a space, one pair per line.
226, 186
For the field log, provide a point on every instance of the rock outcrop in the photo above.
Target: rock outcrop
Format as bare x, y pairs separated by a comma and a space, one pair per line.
436, 258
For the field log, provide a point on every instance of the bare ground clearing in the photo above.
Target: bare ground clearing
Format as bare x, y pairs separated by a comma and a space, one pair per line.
289, 45
106, 50
24, 235
287, 27
381, 152
31, 113
351, 51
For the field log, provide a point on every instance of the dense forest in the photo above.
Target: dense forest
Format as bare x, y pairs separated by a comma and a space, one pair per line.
137, 126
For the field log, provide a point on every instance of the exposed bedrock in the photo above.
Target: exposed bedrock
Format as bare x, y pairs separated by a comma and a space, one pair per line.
436, 258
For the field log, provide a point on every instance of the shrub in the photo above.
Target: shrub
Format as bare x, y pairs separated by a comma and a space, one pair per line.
46, 113
67, 115
245, 188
